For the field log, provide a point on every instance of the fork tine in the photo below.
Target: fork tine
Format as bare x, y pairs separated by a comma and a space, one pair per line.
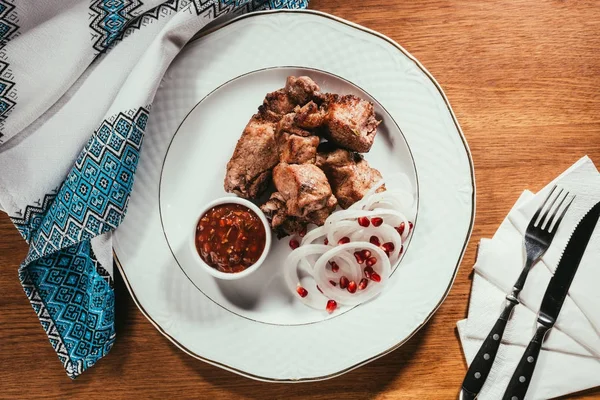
554, 225
544, 217
533, 221
547, 215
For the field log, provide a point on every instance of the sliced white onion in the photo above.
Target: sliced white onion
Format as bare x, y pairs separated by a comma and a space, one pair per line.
315, 259
385, 233
314, 299
391, 217
339, 229
342, 296
313, 235
398, 199
359, 204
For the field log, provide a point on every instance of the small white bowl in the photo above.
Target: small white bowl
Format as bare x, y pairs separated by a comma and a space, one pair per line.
233, 275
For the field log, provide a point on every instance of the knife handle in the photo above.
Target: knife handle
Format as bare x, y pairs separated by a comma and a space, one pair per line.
519, 383
482, 363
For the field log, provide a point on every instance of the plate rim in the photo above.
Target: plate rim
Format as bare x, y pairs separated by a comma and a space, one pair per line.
460, 258
232, 80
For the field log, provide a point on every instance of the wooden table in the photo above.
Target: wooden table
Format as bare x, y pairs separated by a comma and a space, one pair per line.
524, 80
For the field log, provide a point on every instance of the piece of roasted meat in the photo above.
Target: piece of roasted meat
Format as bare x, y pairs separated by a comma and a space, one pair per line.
309, 116
297, 92
347, 121
257, 151
303, 186
296, 145
350, 122
249, 169
281, 222
349, 175
294, 149
303, 196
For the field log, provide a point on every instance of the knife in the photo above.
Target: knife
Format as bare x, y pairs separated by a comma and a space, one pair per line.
552, 302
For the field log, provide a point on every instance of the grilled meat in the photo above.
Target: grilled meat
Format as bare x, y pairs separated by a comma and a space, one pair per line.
256, 153
249, 169
297, 92
348, 173
350, 122
294, 149
284, 224
303, 186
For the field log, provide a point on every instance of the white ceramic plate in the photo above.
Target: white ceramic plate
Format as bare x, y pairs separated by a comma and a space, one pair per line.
193, 173
222, 77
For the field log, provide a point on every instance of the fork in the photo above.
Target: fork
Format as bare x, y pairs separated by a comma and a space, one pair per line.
538, 236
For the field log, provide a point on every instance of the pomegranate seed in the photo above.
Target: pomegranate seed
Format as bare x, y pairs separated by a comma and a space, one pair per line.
388, 247
364, 221
326, 242
344, 240
362, 285
331, 306
410, 226
371, 261
368, 272
359, 257
374, 240
319, 289
400, 228
377, 221
375, 277
401, 249
302, 232
344, 282
366, 253
333, 283
334, 266
352, 287
301, 291
294, 244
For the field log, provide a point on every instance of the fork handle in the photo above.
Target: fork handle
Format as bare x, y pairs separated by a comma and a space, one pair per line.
482, 363
519, 383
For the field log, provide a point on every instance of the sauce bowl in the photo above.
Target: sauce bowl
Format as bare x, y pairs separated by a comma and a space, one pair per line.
268, 238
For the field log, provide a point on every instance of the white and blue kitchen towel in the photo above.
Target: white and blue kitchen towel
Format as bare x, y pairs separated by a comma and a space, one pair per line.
77, 80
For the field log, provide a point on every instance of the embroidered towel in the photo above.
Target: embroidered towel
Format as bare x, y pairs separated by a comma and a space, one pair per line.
77, 80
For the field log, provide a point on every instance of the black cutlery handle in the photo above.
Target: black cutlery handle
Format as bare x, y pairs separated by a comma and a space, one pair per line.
519, 383
482, 363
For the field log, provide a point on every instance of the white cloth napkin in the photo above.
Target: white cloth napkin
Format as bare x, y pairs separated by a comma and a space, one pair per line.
77, 80
499, 263
556, 374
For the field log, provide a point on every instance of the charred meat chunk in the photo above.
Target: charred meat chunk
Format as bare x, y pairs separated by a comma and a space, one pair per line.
297, 92
249, 169
281, 222
294, 149
350, 122
284, 224
349, 174
303, 186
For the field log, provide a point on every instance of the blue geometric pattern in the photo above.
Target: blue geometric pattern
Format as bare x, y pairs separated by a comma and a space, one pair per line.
216, 8
31, 220
8, 22
74, 303
69, 290
9, 29
115, 19
110, 20
93, 198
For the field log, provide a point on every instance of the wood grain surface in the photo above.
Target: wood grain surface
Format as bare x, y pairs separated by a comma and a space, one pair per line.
523, 78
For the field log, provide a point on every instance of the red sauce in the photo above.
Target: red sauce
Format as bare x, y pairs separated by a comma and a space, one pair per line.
230, 237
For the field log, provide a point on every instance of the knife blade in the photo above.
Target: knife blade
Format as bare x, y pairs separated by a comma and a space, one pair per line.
567, 267
552, 302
